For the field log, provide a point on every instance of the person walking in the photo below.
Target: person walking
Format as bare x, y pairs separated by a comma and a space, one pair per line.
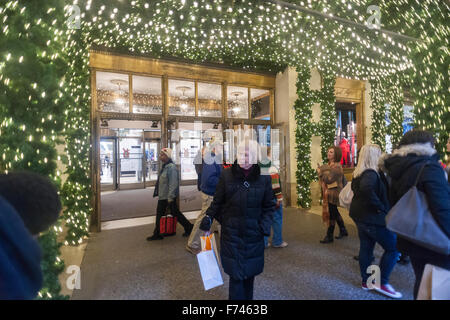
331, 178
368, 209
167, 190
211, 170
414, 152
267, 168
198, 164
244, 205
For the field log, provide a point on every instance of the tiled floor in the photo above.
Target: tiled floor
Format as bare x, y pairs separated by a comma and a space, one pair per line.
121, 264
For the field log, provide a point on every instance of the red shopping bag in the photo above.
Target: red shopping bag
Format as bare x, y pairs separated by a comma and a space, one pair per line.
168, 225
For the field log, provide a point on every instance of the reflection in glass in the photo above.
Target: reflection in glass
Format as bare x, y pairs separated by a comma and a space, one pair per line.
237, 102
209, 100
112, 92
107, 164
152, 163
130, 151
147, 95
260, 104
346, 133
181, 98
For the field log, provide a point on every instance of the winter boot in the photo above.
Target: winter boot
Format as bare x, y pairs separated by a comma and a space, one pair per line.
342, 231
329, 237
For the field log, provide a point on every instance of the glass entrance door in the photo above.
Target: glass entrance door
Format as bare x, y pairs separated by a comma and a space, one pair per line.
131, 162
108, 168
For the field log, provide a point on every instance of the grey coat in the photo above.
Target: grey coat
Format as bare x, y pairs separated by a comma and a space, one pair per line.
168, 184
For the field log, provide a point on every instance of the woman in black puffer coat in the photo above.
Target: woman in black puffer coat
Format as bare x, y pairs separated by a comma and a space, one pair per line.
244, 205
415, 149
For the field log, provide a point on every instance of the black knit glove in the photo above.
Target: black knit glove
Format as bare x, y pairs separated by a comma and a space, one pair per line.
205, 225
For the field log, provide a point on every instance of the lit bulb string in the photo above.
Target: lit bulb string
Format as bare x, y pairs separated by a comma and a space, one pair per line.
159, 39
217, 43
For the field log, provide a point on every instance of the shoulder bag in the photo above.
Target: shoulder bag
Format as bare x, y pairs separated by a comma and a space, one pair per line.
412, 220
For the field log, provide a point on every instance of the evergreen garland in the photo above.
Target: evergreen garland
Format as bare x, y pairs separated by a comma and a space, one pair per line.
46, 94
327, 125
32, 104
305, 174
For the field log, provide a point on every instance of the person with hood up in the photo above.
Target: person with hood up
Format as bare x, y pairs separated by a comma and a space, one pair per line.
244, 205
415, 149
29, 205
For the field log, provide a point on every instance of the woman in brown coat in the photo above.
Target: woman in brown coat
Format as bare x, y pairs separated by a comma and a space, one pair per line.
331, 180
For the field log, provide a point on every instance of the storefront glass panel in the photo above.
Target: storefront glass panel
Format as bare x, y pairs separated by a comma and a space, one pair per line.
147, 95
181, 98
130, 155
112, 92
260, 104
237, 102
209, 100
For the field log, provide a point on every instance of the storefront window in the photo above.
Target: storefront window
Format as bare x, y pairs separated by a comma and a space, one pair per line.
181, 98
147, 95
260, 100
209, 100
346, 133
112, 92
237, 102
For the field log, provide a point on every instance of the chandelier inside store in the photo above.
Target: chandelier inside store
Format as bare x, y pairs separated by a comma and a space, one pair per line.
119, 96
236, 108
183, 98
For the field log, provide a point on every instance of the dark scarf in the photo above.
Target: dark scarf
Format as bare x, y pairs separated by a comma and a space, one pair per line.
155, 192
238, 172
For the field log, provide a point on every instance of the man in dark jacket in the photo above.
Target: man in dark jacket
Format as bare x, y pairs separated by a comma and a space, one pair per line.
244, 205
210, 173
416, 148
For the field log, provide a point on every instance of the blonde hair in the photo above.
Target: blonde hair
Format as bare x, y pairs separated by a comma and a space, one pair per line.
368, 159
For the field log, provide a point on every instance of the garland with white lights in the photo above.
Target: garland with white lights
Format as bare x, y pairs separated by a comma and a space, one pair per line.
32, 102
306, 128
46, 95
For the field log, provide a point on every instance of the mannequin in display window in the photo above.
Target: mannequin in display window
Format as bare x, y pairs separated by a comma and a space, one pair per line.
345, 148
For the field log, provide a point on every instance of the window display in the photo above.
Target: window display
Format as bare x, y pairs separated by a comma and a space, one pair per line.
345, 137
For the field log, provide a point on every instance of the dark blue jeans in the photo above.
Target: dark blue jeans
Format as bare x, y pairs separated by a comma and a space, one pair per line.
369, 235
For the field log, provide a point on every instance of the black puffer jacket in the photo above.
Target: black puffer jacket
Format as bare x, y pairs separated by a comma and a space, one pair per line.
245, 214
403, 167
370, 201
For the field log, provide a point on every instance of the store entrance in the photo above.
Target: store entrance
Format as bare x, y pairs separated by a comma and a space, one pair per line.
129, 167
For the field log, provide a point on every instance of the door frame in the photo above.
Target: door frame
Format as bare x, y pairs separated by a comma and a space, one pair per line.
114, 184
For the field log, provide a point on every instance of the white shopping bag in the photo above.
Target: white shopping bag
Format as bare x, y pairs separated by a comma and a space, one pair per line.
346, 196
435, 284
208, 242
209, 267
